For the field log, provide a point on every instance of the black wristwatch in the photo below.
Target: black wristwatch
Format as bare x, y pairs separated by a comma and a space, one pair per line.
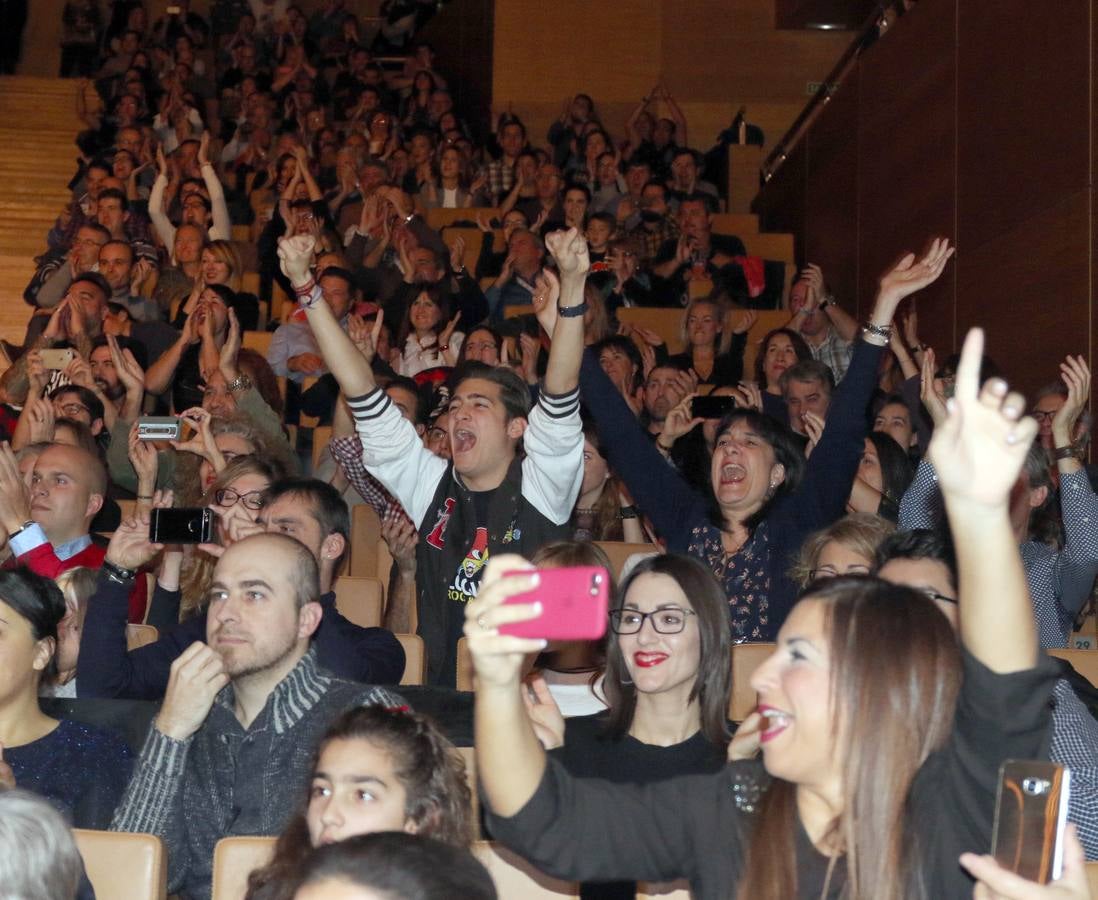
116, 573
571, 311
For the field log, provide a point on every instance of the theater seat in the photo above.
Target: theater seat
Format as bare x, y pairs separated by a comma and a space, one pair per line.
746, 658
470, 757
515, 878
1092, 878
235, 858
415, 659
620, 551
465, 669
124, 866
1085, 662
360, 599
140, 635
673, 890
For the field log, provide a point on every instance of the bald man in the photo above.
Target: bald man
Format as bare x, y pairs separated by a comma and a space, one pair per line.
229, 752
48, 526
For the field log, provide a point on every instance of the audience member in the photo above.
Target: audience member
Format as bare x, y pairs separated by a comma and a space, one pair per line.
228, 750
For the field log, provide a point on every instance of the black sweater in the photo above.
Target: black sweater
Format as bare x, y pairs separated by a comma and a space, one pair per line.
699, 826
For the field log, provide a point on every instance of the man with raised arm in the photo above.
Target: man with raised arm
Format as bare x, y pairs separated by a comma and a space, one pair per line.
489, 498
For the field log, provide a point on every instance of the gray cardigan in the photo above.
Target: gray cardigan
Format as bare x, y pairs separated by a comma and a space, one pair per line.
226, 780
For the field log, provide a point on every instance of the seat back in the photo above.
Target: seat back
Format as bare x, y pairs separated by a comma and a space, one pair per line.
619, 551
746, 658
515, 877
440, 218
470, 757
123, 866
140, 635
361, 599
671, 890
235, 858
1085, 662
259, 341
415, 659
365, 535
465, 670
1092, 878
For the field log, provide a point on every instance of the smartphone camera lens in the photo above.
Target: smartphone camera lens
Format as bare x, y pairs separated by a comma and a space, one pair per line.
1035, 787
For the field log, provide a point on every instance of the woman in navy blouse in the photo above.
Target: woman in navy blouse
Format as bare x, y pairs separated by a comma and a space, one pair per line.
81, 770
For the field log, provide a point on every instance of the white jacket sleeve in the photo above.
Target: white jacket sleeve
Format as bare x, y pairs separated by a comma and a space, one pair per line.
553, 469
222, 229
394, 454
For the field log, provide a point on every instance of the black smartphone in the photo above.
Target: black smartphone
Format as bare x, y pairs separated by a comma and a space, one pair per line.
711, 407
182, 526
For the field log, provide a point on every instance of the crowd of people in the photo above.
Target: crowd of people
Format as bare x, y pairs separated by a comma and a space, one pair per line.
911, 535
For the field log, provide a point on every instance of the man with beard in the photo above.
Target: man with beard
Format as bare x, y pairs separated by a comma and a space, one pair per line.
229, 751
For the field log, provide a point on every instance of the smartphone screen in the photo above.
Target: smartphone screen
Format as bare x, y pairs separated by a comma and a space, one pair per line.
1030, 818
712, 407
182, 526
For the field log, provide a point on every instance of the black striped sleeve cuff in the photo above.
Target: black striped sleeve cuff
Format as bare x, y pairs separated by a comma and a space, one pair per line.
369, 406
558, 406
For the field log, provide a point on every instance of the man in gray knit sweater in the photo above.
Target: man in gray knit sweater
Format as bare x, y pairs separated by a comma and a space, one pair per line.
229, 753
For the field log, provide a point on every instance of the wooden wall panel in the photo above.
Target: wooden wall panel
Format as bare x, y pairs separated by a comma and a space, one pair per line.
906, 156
831, 196
1029, 289
975, 120
713, 55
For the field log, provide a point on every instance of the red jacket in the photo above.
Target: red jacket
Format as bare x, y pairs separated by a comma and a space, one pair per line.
43, 561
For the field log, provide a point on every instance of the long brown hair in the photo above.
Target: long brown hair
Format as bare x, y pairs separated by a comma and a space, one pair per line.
895, 674
713, 682
607, 509
428, 767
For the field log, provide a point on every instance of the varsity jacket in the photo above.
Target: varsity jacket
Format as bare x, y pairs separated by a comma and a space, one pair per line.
531, 506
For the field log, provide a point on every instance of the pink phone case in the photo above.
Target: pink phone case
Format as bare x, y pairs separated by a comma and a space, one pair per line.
574, 602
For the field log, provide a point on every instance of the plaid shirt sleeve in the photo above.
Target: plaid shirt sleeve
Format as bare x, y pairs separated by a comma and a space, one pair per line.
347, 452
1075, 745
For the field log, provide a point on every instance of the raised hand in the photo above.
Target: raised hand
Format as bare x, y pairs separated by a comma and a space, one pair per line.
144, 459
814, 428
979, 449
531, 347
1075, 373
230, 350
204, 149
680, 420
745, 322
448, 331
197, 675
296, 256
401, 537
544, 714
457, 254
365, 337
14, 496
812, 275
748, 396
42, 419
498, 658
929, 390
545, 297
910, 274
130, 546
484, 223
569, 250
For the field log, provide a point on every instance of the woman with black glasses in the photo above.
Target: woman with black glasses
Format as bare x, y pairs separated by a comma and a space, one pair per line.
667, 684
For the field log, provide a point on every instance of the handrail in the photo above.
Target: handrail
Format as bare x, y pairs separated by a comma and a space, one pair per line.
867, 35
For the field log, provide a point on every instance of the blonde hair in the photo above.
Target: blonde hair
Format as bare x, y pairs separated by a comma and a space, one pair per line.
724, 316
859, 532
226, 252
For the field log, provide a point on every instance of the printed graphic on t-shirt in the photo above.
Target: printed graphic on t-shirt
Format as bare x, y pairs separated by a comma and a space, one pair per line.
467, 579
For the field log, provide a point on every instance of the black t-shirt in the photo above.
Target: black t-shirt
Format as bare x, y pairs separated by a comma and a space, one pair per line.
466, 580
589, 753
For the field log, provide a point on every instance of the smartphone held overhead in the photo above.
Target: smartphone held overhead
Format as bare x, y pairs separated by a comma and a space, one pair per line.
710, 407
574, 604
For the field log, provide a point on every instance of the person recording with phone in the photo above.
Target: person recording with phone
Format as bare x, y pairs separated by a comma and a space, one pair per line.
881, 736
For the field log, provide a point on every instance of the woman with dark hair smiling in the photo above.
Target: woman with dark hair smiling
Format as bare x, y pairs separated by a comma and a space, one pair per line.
667, 685
882, 737
765, 499
781, 349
